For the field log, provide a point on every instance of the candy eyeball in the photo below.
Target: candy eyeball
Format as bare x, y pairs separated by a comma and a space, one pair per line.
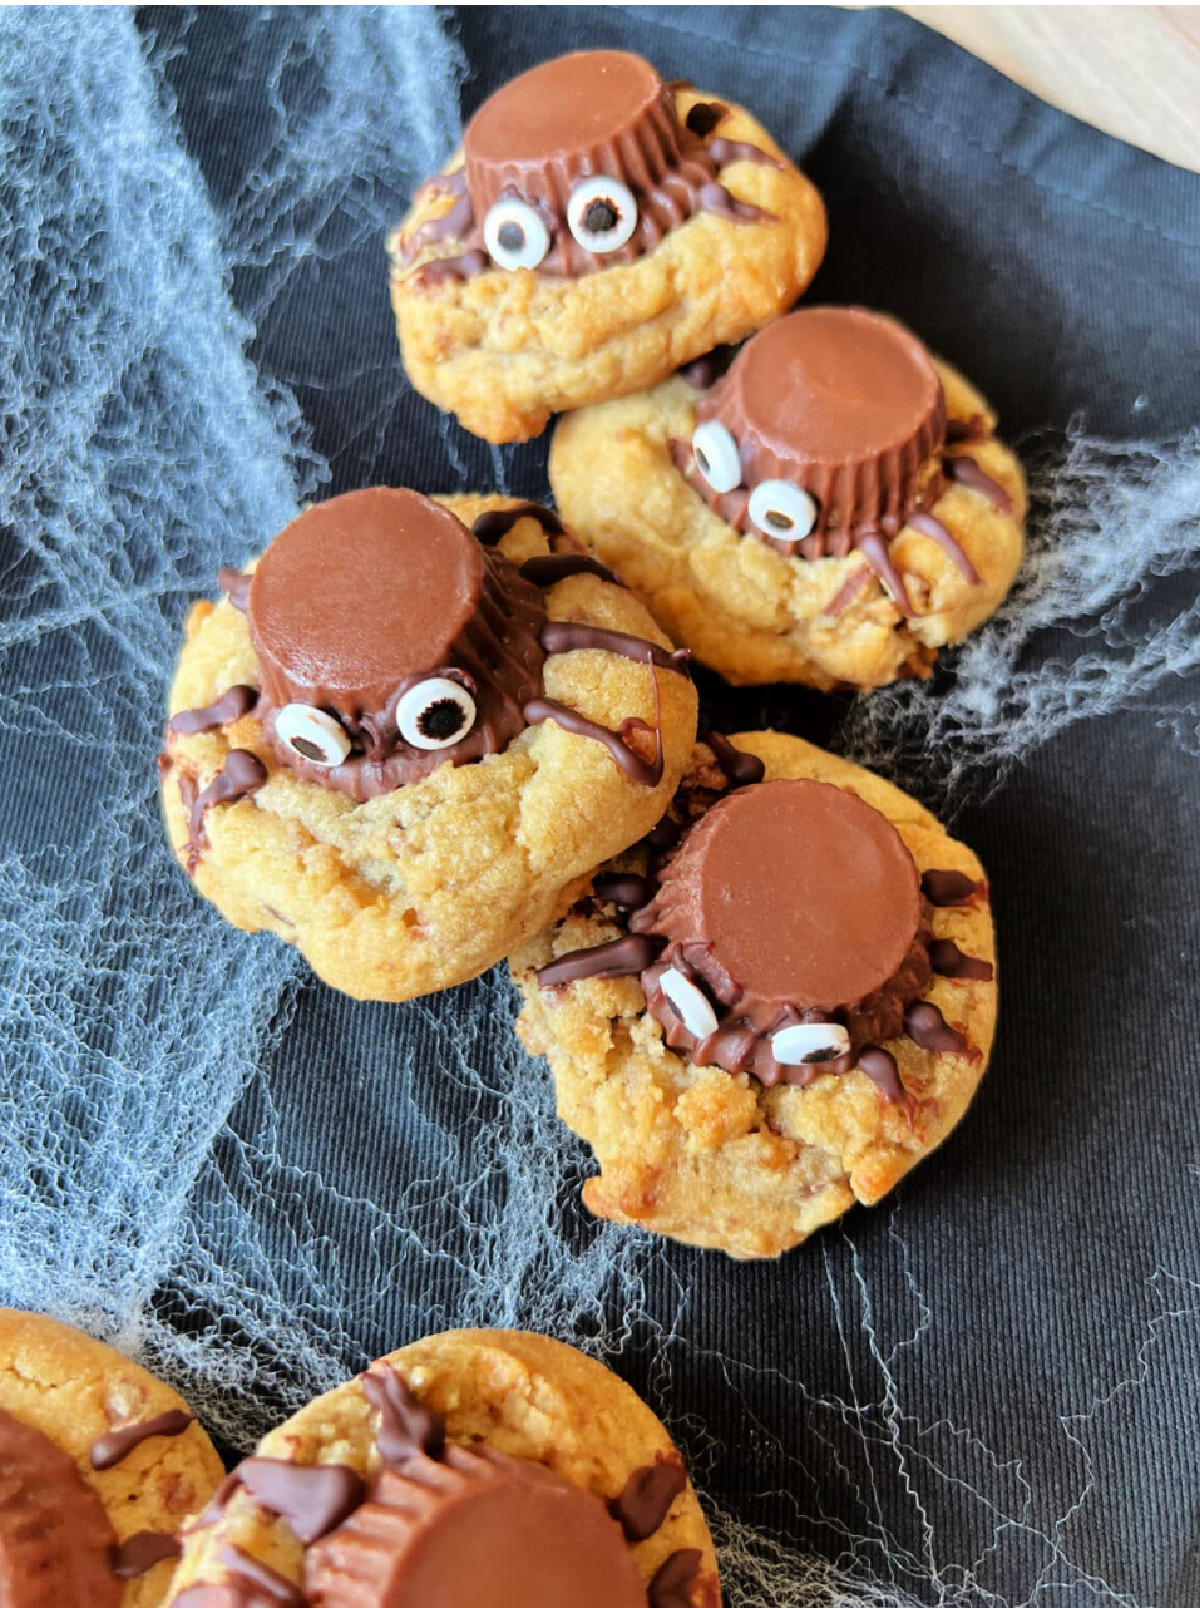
694, 1011
780, 509
311, 734
515, 234
435, 714
716, 455
602, 214
808, 1043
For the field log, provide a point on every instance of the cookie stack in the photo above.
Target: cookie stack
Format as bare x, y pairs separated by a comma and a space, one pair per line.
421, 735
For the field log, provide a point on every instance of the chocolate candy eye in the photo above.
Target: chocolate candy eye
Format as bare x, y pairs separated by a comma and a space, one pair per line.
602, 214
716, 455
515, 234
696, 1014
807, 1043
311, 734
435, 714
780, 509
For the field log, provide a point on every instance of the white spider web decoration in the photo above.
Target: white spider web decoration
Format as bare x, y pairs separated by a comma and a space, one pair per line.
153, 1186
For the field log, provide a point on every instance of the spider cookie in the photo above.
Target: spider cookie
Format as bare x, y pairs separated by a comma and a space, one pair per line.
775, 1007
832, 510
100, 1465
402, 744
474, 1466
598, 228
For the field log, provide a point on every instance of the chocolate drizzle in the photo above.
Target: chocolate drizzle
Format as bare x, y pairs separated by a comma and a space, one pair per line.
235, 586
496, 523
140, 1552
703, 372
739, 768
623, 957
406, 1428
623, 888
244, 773
556, 567
648, 772
705, 116
928, 1029
257, 1581
647, 1495
230, 706
966, 472
936, 531
112, 1448
948, 960
565, 636
314, 1498
944, 889
671, 1584
725, 152
880, 1066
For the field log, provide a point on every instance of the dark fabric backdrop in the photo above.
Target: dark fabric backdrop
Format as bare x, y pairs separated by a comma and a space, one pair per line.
1058, 1230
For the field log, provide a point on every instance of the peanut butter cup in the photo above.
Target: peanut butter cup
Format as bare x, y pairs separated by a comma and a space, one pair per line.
475, 1526
389, 640
795, 933
816, 437
56, 1542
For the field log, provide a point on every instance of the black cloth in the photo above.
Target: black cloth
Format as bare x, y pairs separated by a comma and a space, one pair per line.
1009, 1356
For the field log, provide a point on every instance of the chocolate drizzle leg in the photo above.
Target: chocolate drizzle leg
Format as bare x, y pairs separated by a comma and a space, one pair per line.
740, 769
496, 523
966, 472
929, 526
648, 772
623, 957
948, 960
244, 773
565, 636
647, 1496
928, 1029
880, 1066
117, 1444
556, 567
671, 1585
406, 1429
140, 1552
945, 889
314, 1499
230, 706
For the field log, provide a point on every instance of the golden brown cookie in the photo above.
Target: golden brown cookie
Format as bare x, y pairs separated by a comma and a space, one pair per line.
709, 233
397, 1474
94, 1452
393, 887
716, 1157
921, 549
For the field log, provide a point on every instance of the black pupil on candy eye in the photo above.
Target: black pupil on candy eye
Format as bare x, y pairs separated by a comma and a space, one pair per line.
442, 719
702, 460
829, 1053
601, 217
511, 236
778, 521
309, 749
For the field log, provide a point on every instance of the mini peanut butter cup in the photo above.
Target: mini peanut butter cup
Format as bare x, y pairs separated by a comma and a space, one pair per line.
596, 112
56, 1543
389, 641
844, 404
476, 1527
790, 904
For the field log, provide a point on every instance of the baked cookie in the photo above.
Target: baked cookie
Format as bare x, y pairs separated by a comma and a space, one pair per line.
598, 228
100, 1465
832, 511
774, 1008
474, 1466
402, 746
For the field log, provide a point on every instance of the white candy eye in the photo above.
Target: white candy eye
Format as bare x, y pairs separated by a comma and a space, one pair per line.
806, 1042
602, 214
696, 1014
515, 234
780, 509
312, 734
716, 455
435, 714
